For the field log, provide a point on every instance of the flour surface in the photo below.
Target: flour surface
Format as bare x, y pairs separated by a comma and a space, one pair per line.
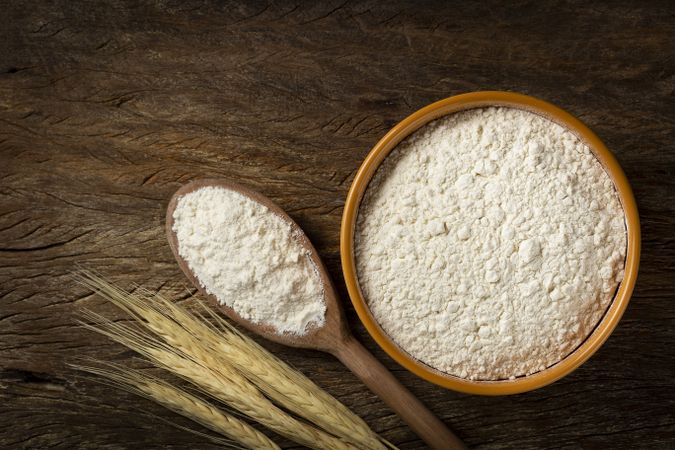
249, 259
490, 243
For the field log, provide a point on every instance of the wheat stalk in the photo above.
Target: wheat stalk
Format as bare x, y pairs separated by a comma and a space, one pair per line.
224, 346
183, 403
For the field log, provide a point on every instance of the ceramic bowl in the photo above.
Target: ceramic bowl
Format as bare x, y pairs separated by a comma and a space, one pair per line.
449, 106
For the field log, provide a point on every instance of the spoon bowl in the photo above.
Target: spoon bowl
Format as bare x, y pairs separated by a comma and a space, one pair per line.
333, 336
317, 338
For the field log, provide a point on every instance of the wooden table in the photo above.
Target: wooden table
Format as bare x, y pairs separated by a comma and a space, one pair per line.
105, 110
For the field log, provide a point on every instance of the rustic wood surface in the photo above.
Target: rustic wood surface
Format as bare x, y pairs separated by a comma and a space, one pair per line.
106, 108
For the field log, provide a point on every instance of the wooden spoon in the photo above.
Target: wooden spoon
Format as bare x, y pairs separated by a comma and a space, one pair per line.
333, 337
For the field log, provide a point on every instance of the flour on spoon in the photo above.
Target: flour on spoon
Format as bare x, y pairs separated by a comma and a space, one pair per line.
250, 259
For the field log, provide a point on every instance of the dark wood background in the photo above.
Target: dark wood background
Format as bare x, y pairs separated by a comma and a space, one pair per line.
106, 108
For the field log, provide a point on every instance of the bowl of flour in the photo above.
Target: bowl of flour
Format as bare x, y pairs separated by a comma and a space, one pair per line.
490, 243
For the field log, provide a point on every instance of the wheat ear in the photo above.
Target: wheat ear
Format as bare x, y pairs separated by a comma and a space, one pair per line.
183, 403
182, 356
284, 385
297, 392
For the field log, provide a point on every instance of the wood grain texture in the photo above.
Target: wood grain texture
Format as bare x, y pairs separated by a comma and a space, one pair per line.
106, 108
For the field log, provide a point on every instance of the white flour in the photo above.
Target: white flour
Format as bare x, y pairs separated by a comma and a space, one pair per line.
490, 243
249, 259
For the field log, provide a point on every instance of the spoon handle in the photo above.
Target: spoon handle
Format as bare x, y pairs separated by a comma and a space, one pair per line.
422, 421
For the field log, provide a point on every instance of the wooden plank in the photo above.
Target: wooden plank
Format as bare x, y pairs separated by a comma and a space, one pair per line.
107, 107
